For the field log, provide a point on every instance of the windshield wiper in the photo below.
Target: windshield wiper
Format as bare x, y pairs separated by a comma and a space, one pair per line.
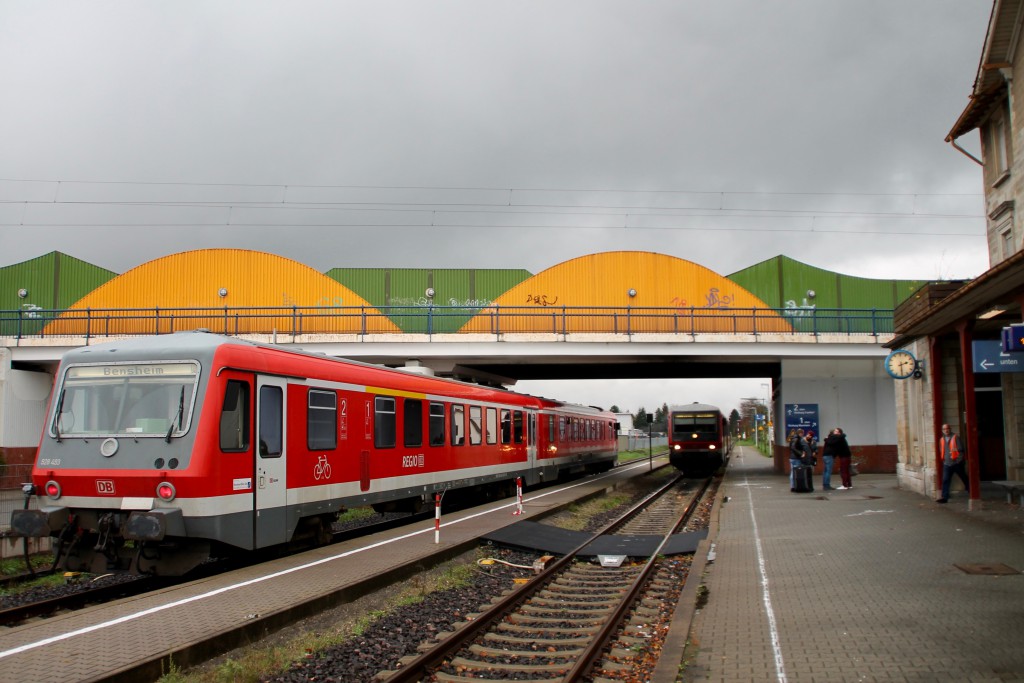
56, 417
178, 415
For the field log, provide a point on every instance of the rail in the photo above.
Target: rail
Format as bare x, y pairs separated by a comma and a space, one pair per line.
495, 320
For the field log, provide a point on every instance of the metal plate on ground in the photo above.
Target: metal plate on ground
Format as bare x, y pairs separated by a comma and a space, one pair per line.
996, 569
535, 536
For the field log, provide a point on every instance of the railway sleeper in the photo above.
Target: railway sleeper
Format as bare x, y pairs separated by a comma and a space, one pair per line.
544, 618
582, 598
474, 665
548, 628
515, 640
486, 651
582, 591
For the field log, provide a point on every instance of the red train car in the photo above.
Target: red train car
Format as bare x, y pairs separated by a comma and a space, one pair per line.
698, 438
160, 452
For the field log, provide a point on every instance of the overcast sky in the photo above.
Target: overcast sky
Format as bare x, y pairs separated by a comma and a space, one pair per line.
495, 134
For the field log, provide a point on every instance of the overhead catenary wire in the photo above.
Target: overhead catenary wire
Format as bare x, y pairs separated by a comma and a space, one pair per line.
633, 220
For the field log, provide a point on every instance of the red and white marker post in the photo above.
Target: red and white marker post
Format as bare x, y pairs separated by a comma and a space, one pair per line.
519, 496
437, 518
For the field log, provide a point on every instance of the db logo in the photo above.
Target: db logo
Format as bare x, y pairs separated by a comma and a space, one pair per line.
104, 487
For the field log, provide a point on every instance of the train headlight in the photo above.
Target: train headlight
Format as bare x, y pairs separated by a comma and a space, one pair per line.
676, 447
52, 489
165, 491
693, 436
711, 447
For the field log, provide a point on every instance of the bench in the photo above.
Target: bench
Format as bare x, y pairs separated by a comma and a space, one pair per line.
1011, 488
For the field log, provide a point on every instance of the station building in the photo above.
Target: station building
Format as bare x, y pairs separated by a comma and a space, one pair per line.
954, 329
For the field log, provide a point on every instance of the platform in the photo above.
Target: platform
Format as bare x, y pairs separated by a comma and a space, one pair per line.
869, 584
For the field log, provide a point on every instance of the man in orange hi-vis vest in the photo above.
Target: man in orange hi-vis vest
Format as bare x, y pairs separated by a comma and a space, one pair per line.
954, 460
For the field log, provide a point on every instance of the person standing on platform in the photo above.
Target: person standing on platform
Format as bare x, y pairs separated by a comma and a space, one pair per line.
812, 441
798, 450
954, 461
835, 446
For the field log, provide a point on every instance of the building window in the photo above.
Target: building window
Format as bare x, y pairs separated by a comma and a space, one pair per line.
998, 142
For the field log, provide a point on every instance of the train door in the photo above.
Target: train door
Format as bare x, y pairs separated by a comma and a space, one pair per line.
531, 438
271, 483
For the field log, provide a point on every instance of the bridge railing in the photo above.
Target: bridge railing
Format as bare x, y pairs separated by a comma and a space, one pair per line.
493, 320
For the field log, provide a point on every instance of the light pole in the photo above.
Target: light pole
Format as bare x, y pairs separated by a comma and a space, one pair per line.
770, 442
753, 402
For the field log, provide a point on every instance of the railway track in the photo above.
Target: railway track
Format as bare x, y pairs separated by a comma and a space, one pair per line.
575, 619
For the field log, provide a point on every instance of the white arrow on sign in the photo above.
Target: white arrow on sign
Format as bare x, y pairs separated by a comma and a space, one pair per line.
985, 365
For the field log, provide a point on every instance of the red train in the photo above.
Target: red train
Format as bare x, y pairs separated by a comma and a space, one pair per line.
698, 438
160, 452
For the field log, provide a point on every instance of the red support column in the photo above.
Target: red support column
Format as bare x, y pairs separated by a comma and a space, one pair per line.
970, 408
935, 373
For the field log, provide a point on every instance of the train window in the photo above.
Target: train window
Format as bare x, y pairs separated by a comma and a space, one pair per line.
234, 417
561, 428
492, 426
436, 424
476, 425
551, 428
271, 424
517, 423
321, 434
139, 399
384, 422
413, 419
458, 425
506, 426
531, 428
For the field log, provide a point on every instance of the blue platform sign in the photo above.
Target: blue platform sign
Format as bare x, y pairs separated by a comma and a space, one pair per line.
990, 357
1013, 338
802, 416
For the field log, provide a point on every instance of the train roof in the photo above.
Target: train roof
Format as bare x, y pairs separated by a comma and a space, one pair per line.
694, 408
202, 345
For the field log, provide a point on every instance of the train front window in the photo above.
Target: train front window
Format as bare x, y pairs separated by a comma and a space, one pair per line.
138, 399
704, 425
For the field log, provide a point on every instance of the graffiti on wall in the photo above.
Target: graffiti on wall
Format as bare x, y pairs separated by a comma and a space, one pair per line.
541, 300
794, 311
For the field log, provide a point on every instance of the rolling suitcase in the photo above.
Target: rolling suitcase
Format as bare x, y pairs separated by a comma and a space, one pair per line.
803, 481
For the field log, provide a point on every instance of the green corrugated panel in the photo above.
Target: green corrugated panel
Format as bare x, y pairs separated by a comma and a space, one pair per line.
402, 293
782, 281
368, 283
762, 280
805, 290
53, 281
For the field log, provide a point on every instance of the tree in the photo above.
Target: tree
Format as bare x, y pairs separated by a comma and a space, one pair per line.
615, 409
640, 419
749, 407
734, 421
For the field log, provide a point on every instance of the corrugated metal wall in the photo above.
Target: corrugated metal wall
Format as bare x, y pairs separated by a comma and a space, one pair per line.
50, 282
294, 298
256, 279
557, 299
782, 282
402, 293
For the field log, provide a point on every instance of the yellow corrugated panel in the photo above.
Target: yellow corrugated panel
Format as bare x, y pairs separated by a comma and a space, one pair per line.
290, 297
674, 295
